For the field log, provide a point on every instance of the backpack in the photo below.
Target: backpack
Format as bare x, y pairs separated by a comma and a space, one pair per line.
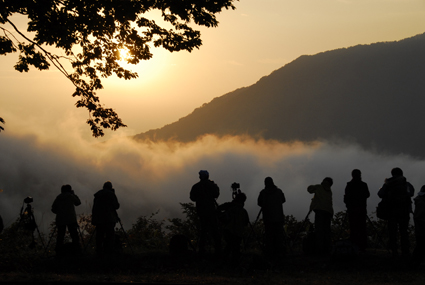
383, 210
396, 202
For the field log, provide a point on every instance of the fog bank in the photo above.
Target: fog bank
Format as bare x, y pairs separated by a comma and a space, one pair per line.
149, 177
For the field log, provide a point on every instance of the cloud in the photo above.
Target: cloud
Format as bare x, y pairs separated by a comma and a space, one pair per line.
158, 176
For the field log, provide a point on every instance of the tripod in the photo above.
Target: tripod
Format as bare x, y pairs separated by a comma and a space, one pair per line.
253, 233
263, 245
305, 221
56, 229
121, 228
376, 232
27, 221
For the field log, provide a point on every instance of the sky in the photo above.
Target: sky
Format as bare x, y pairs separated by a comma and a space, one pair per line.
47, 144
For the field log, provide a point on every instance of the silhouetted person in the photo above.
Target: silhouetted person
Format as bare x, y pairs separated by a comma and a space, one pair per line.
204, 194
233, 229
271, 201
322, 206
104, 217
64, 208
397, 192
355, 198
419, 219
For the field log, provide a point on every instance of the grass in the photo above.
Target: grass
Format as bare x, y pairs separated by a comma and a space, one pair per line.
148, 262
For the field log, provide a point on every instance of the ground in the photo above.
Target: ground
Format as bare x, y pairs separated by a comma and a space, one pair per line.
371, 267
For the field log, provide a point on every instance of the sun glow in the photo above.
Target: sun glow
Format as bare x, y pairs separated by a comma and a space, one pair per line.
124, 55
150, 72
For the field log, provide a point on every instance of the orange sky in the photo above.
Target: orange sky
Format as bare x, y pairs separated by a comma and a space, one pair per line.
250, 42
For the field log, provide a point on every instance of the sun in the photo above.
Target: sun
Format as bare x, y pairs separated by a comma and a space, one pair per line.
124, 55
150, 72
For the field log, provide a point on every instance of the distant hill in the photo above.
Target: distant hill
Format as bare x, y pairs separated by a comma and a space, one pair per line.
373, 95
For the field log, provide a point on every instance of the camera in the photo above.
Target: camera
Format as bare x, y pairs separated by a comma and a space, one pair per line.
28, 200
235, 186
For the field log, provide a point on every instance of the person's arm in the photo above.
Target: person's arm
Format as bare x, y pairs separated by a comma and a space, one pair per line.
347, 195
115, 204
283, 197
55, 206
367, 192
216, 190
419, 213
312, 189
193, 196
260, 201
410, 189
246, 218
77, 201
383, 191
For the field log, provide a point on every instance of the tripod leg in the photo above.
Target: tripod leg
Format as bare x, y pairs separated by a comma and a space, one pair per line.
377, 233
36, 227
88, 243
50, 239
41, 239
302, 226
126, 237
255, 236
258, 216
286, 241
342, 225
81, 236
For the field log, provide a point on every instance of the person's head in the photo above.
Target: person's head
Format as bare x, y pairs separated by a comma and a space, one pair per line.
329, 181
395, 172
66, 188
107, 185
204, 175
422, 189
268, 182
356, 174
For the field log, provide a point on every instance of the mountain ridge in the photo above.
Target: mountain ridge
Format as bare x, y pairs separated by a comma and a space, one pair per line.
367, 94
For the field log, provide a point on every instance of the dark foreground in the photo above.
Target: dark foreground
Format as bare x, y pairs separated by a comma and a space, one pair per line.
372, 267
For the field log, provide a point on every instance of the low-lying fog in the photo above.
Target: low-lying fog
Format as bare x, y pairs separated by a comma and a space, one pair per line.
149, 177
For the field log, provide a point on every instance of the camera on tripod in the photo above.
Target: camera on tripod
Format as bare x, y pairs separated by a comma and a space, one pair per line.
28, 200
236, 189
27, 216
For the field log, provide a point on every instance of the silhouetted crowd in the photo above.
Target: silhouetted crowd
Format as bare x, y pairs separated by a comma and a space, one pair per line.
228, 222
395, 207
104, 217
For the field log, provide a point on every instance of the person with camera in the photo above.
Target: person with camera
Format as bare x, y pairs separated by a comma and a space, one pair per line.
233, 223
322, 206
397, 193
204, 194
104, 217
271, 201
355, 198
64, 208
